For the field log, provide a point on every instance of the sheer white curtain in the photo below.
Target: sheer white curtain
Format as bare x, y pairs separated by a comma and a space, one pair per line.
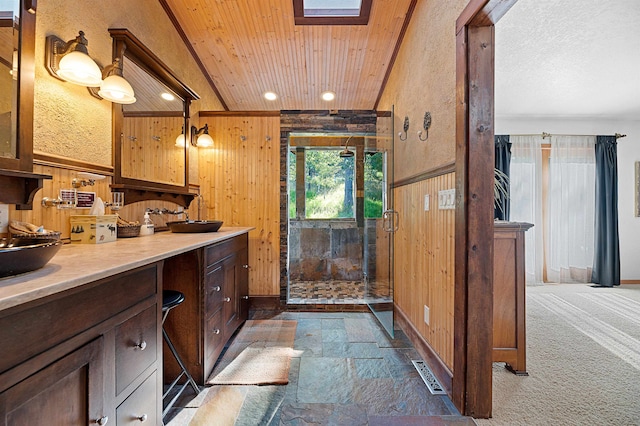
571, 209
525, 180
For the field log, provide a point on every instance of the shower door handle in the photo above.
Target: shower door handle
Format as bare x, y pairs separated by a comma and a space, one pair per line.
391, 220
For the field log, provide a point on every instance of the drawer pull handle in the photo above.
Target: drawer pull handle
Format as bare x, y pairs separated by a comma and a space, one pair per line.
245, 297
216, 288
142, 418
245, 266
142, 345
227, 299
102, 420
216, 331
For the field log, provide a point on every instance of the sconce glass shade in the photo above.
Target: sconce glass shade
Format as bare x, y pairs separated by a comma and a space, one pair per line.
116, 89
78, 68
204, 141
180, 140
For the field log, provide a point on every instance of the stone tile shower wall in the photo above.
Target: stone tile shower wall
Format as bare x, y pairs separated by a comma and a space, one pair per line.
361, 121
325, 250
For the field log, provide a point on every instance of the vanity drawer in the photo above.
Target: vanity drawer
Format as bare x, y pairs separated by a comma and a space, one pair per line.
214, 333
216, 252
50, 321
214, 281
140, 406
136, 346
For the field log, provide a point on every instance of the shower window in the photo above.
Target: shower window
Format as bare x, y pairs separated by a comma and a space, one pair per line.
329, 184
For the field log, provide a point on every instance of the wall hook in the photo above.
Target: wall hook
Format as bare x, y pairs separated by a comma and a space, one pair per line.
425, 125
406, 128
243, 138
267, 138
156, 138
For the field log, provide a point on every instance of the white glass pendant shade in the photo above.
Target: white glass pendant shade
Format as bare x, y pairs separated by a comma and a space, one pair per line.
205, 141
180, 140
116, 89
78, 68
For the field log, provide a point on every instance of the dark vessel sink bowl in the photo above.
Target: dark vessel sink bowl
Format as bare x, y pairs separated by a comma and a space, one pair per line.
195, 226
20, 255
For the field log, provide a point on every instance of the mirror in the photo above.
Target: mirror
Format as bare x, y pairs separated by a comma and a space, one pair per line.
150, 128
147, 163
17, 34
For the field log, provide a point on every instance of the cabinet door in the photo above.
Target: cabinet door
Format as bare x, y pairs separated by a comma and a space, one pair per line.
242, 286
68, 392
231, 304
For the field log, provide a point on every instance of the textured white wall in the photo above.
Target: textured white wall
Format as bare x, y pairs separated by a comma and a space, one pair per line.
68, 121
628, 154
424, 79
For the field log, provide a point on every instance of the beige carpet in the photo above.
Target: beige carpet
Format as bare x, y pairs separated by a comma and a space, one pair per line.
583, 359
259, 355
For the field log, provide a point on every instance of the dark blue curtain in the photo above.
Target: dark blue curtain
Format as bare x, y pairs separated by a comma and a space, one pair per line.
503, 160
606, 262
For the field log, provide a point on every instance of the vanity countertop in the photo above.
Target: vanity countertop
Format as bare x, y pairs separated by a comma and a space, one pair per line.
78, 264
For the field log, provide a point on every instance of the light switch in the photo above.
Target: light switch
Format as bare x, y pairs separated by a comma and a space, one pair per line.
426, 203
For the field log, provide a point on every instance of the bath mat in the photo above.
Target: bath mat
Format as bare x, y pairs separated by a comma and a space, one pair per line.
259, 355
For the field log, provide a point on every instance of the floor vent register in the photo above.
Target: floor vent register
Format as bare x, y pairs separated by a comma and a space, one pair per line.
429, 379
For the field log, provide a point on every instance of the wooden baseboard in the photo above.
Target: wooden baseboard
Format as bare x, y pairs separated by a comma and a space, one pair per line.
439, 369
268, 303
629, 281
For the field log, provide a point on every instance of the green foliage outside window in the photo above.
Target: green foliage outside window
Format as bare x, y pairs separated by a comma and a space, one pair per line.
373, 184
329, 184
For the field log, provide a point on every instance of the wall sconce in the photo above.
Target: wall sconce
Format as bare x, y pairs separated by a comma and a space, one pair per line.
114, 87
406, 128
70, 61
203, 139
425, 125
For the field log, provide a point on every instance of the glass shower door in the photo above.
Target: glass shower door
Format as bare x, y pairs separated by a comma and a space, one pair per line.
380, 222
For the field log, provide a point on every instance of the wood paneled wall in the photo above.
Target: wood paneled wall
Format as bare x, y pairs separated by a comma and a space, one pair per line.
149, 149
424, 262
56, 219
53, 218
240, 185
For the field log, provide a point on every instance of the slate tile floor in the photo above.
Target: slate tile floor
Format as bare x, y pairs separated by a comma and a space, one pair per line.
348, 373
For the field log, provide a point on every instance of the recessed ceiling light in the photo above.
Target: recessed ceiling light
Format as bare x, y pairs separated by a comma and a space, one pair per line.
328, 96
167, 96
270, 96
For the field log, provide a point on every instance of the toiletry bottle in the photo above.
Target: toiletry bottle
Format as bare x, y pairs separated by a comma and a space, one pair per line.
147, 226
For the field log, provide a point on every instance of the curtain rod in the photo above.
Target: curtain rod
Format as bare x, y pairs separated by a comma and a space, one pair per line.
548, 135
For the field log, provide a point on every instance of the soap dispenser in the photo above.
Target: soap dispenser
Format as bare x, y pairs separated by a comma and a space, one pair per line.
147, 226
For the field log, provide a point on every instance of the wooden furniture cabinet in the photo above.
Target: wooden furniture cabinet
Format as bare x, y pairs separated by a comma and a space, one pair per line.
509, 281
89, 355
215, 282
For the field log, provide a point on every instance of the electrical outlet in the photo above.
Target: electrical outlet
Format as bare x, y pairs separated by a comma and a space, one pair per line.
426, 314
426, 203
4, 218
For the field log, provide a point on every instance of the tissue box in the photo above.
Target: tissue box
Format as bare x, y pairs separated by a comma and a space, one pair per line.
90, 229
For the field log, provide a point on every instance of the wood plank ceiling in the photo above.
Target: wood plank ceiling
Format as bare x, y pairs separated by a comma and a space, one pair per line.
248, 47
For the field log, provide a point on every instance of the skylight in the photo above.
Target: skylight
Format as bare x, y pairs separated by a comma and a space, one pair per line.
331, 12
344, 8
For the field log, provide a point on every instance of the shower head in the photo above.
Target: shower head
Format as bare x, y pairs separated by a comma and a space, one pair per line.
346, 153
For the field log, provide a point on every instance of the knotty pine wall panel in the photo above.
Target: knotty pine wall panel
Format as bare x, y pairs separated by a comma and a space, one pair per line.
240, 185
149, 150
56, 219
424, 262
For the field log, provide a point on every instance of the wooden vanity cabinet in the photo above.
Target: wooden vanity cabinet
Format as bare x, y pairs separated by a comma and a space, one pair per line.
215, 282
79, 357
